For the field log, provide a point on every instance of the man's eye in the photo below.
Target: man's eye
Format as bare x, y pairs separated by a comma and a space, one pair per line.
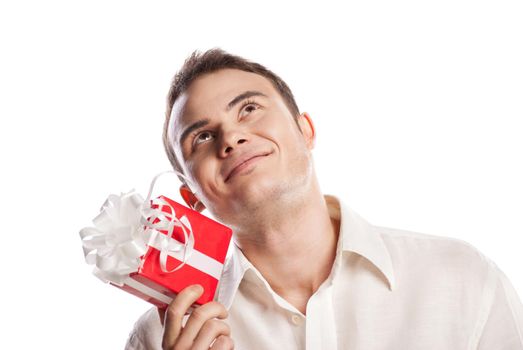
248, 108
203, 137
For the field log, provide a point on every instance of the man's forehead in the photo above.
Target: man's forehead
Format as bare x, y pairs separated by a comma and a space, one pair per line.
217, 88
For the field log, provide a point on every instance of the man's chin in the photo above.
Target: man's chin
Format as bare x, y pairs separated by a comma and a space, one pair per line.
257, 192
251, 201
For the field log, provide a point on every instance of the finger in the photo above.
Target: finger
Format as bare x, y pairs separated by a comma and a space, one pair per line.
210, 331
199, 316
175, 312
162, 311
223, 342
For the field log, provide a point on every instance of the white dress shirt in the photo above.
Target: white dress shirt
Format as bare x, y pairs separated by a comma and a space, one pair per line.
388, 289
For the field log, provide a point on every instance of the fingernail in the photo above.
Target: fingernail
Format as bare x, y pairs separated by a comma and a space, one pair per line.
197, 288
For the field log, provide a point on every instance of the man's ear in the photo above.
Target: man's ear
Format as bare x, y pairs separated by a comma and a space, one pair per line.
307, 129
191, 200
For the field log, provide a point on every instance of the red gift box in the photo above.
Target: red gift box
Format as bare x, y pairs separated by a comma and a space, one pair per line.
203, 266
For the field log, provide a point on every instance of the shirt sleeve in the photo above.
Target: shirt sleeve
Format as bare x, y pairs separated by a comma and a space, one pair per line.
134, 343
146, 333
503, 329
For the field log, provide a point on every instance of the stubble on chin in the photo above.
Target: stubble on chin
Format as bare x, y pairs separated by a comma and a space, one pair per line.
275, 202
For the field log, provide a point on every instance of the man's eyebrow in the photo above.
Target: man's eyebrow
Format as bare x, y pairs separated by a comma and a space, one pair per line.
192, 127
243, 96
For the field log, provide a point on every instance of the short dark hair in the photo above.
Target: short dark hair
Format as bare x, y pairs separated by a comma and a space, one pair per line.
198, 64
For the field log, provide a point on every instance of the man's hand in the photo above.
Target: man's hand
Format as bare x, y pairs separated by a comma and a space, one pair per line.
201, 330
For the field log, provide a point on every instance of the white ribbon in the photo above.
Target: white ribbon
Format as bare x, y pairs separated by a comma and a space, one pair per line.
124, 229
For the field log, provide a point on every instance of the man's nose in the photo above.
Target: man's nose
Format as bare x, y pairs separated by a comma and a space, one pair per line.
231, 140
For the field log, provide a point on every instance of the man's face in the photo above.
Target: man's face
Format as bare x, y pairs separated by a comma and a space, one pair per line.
238, 143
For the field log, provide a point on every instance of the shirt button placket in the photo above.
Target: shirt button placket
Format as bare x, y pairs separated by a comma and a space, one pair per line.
296, 319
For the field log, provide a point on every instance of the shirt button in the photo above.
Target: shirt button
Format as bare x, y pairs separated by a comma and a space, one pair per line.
296, 319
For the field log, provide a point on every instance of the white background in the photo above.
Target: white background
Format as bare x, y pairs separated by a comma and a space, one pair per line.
418, 108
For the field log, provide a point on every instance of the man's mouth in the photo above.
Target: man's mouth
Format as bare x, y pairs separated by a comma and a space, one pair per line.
243, 163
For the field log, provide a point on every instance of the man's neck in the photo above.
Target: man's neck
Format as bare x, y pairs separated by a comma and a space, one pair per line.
294, 252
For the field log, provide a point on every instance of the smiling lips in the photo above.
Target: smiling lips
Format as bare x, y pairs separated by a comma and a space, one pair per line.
244, 162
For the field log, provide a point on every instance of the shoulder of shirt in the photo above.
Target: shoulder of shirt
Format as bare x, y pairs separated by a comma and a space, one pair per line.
441, 252
399, 253
456, 264
428, 240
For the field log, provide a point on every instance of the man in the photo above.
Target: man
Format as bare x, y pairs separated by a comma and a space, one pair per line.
307, 272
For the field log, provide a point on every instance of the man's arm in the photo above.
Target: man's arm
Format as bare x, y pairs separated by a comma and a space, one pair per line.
503, 329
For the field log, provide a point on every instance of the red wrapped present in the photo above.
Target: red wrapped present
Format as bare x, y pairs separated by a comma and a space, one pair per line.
154, 249
203, 263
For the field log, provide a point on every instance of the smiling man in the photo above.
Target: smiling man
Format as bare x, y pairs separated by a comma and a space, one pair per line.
306, 271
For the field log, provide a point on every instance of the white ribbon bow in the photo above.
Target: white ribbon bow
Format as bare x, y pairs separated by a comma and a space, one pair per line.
124, 230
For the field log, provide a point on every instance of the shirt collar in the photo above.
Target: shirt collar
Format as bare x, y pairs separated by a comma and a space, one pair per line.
357, 236
360, 237
236, 265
